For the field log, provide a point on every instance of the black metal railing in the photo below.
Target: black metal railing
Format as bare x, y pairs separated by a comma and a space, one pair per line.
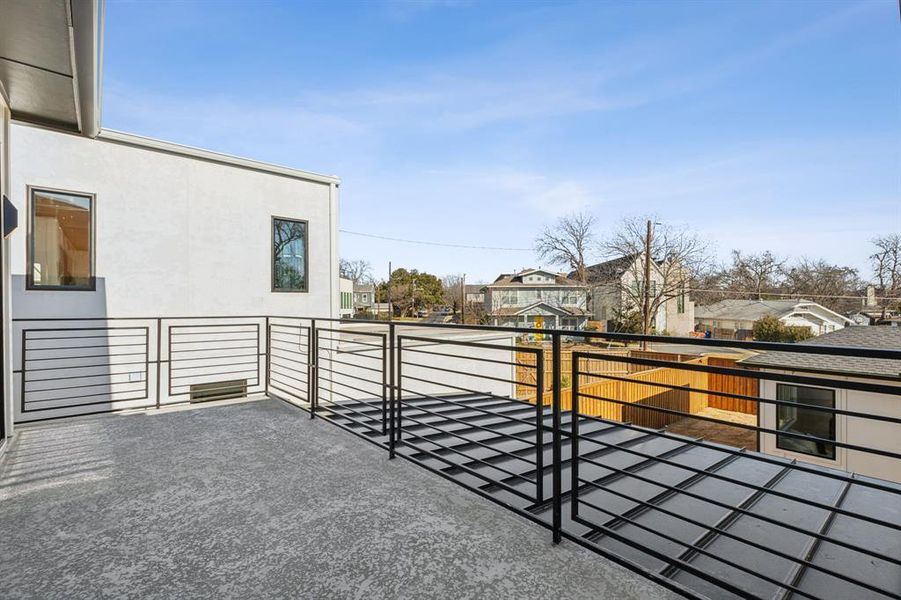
714, 475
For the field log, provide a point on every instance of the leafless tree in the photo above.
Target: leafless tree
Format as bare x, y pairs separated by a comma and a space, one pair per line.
677, 256
823, 282
568, 242
359, 271
453, 290
755, 273
886, 262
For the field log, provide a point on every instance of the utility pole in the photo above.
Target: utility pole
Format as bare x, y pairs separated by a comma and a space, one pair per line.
463, 301
646, 317
390, 307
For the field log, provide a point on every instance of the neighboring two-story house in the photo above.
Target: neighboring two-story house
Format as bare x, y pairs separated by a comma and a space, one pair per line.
537, 298
734, 318
364, 297
364, 300
615, 284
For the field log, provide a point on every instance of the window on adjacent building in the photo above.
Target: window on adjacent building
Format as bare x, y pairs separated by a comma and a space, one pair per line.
680, 303
61, 241
806, 421
289, 255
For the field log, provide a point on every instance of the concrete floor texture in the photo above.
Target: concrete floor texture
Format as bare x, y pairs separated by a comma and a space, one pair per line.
255, 500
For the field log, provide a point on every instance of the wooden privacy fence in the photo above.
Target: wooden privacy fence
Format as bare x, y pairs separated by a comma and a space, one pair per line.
627, 401
731, 384
526, 371
597, 393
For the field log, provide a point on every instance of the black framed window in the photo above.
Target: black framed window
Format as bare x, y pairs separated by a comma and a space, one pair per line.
289, 255
60, 240
806, 421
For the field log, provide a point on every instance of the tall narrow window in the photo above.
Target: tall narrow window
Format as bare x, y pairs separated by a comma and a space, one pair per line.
806, 421
289, 255
61, 244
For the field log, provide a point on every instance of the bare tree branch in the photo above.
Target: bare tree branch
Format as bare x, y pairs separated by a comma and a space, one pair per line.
567, 243
359, 271
677, 257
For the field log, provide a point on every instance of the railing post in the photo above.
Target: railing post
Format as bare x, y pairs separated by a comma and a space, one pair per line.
539, 426
557, 519
159, 358
574, 439
312, 377
399, 393
268, 352
384, 386
392, 392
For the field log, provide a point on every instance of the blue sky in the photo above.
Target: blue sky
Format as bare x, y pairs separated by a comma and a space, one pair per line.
761, 125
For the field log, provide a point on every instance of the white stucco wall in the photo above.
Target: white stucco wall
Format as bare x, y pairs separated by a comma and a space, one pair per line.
851, 430
175, 235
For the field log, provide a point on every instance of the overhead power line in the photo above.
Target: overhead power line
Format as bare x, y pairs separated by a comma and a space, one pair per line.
425, 243
784, 295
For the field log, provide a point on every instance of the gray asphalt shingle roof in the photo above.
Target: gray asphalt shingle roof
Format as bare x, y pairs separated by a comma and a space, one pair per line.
745, 310
878, 337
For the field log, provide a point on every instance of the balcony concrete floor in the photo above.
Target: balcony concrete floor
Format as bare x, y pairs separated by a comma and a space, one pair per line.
254, 499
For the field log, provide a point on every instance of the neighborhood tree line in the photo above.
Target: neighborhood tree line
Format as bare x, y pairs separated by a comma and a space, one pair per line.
684, 262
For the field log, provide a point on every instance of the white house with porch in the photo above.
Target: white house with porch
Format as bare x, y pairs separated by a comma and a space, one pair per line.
537, 298
734, 318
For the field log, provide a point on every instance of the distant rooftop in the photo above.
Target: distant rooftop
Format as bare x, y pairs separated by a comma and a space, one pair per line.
878, 337
516, 279
747, 310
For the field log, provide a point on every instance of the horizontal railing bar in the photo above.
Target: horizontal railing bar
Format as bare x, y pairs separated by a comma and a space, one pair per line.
75, 387
253, 339
464, 373
296, 392
757, 399
755, 374
382, 335
85, 367
209, 366
214, 374
605, 335
291, 377
27, 410
175, 360
745, 426
61, 358
455, 387
105, 374
295, 361
142, 335
174, 355
34, 400
377, 394
469, 344
476, 358
485, 394
630, 337
79, 347
253, 330
364, 367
